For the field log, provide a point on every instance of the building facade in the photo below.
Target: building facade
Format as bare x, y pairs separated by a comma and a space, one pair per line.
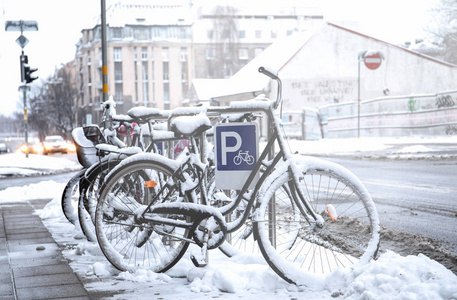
156, 48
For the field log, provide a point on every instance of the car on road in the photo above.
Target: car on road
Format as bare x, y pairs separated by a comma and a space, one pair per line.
3, 148
54, 144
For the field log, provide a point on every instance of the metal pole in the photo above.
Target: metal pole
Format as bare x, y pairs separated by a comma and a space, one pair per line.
358, 103
24, 95
104, 52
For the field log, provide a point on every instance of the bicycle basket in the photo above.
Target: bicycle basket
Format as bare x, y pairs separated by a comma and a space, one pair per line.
85, 140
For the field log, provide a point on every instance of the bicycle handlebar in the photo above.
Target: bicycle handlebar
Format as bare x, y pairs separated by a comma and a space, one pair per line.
270, 74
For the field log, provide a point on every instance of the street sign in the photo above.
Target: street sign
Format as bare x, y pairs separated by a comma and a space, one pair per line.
22, 41
372, 60
21, 25
237, 147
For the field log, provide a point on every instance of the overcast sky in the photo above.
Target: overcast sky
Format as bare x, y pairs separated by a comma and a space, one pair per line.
60, 23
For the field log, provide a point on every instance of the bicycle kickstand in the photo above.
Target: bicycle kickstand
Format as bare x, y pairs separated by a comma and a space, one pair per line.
200, 259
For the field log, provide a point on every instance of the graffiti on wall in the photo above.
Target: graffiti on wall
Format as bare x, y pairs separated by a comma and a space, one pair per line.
325, 91
444, 101
451, 129
413, 104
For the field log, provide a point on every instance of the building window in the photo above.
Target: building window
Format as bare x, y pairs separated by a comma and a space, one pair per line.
209, 34
144, 53
144, 70
242, 34
141, 33
257, 51
119, 93
145, 94
117, 32
210, 53
166, 75
166, 95
165, 55
258, 34
243, 53
184, 90
118, 71
289, 32
184, 74
273, 34
183, 54
117, 54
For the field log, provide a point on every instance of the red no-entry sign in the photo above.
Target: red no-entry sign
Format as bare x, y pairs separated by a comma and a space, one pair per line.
372, 60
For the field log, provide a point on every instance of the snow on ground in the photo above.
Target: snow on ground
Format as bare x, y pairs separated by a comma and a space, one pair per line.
16, 164
391, 276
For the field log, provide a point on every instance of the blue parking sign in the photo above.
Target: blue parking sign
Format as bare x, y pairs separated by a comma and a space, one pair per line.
236, 153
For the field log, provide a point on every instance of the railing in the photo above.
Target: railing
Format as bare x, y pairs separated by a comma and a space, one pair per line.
425, 115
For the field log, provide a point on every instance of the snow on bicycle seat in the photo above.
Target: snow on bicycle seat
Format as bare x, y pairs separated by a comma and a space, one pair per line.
122, 118
187, 126
146, 113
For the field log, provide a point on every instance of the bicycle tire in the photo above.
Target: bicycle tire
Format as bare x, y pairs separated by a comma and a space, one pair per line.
70, 196
129, 243
298, 249
90, 187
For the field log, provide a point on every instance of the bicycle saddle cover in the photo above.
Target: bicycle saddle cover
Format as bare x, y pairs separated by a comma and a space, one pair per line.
187, 126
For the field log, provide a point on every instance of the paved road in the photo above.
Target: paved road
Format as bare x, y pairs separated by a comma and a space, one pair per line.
415, 196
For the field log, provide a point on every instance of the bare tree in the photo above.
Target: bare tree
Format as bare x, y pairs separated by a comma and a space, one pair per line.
444, 30
52, 106
225, 39
37, 117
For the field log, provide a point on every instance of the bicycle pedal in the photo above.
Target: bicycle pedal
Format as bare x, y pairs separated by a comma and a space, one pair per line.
198, 262
143, 236
199, 259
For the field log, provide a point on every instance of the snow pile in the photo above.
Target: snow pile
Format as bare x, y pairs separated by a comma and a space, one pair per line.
393, 276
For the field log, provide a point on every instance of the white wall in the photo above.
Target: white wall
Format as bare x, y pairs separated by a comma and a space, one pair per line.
326, 68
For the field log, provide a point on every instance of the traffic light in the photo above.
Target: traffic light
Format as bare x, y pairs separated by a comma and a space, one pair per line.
26, 70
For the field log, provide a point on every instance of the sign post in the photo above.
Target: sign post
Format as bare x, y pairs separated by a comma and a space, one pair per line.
26, 71
372, 60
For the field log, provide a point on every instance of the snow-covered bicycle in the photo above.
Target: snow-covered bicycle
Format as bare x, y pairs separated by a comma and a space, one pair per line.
308, 216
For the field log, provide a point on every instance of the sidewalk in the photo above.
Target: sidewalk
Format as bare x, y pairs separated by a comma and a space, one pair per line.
31, 262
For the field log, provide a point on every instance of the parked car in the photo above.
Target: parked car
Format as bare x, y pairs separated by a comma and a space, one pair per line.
53, 144
3, 148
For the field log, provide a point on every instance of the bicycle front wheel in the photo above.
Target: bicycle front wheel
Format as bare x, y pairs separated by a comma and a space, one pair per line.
70, 196
126, 240
289, 238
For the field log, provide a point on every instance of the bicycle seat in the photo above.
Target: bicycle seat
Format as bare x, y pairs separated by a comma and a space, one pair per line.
122, 118
146, 113
188, 126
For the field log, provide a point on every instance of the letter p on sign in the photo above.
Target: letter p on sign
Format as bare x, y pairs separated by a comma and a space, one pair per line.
225, 148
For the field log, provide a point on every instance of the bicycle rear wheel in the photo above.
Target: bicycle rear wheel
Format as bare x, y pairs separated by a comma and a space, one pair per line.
290, 240
126, 240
